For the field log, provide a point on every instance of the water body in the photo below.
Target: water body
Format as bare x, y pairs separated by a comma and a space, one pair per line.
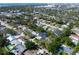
22, 4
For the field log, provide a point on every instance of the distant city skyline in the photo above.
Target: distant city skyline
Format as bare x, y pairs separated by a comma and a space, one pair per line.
57, 5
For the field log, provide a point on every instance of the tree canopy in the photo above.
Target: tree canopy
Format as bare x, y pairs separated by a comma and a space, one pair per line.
30, 45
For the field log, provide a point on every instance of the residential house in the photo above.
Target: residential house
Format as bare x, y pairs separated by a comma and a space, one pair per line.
33, 33
18, 49
67, 49
75, 38
42, 51
38, 37
17, 45
40, 22
57, 32
43, 35
76, 31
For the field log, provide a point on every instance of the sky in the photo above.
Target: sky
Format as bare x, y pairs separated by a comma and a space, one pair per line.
39, 1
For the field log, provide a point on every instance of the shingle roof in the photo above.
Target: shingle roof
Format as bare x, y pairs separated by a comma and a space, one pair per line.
57, 32
19, 48
15, 42
67, 49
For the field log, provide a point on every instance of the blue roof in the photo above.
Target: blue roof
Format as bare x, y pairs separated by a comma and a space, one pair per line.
67, 49
43, 34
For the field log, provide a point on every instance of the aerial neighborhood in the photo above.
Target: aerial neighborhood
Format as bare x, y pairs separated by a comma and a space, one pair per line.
39, 29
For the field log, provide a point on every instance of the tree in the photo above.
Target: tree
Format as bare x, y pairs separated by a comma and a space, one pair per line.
54, 46
9, 53
37, 41
49, 33
78, 43
30, 45
67, 41
67, 31
10, 31
3, 41
56, 43
40, 29
3, 51
46, 44
76, 49
76, 23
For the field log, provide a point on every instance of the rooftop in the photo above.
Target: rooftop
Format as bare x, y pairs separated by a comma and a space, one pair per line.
10, 38
74, 37
76, 30
67, 49
10, 47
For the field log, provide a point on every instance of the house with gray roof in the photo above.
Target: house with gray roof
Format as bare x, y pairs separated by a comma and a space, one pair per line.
57, 32
67, 49
18, 49
16, 45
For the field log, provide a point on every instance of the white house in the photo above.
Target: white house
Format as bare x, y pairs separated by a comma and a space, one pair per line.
11, 38
75, 39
